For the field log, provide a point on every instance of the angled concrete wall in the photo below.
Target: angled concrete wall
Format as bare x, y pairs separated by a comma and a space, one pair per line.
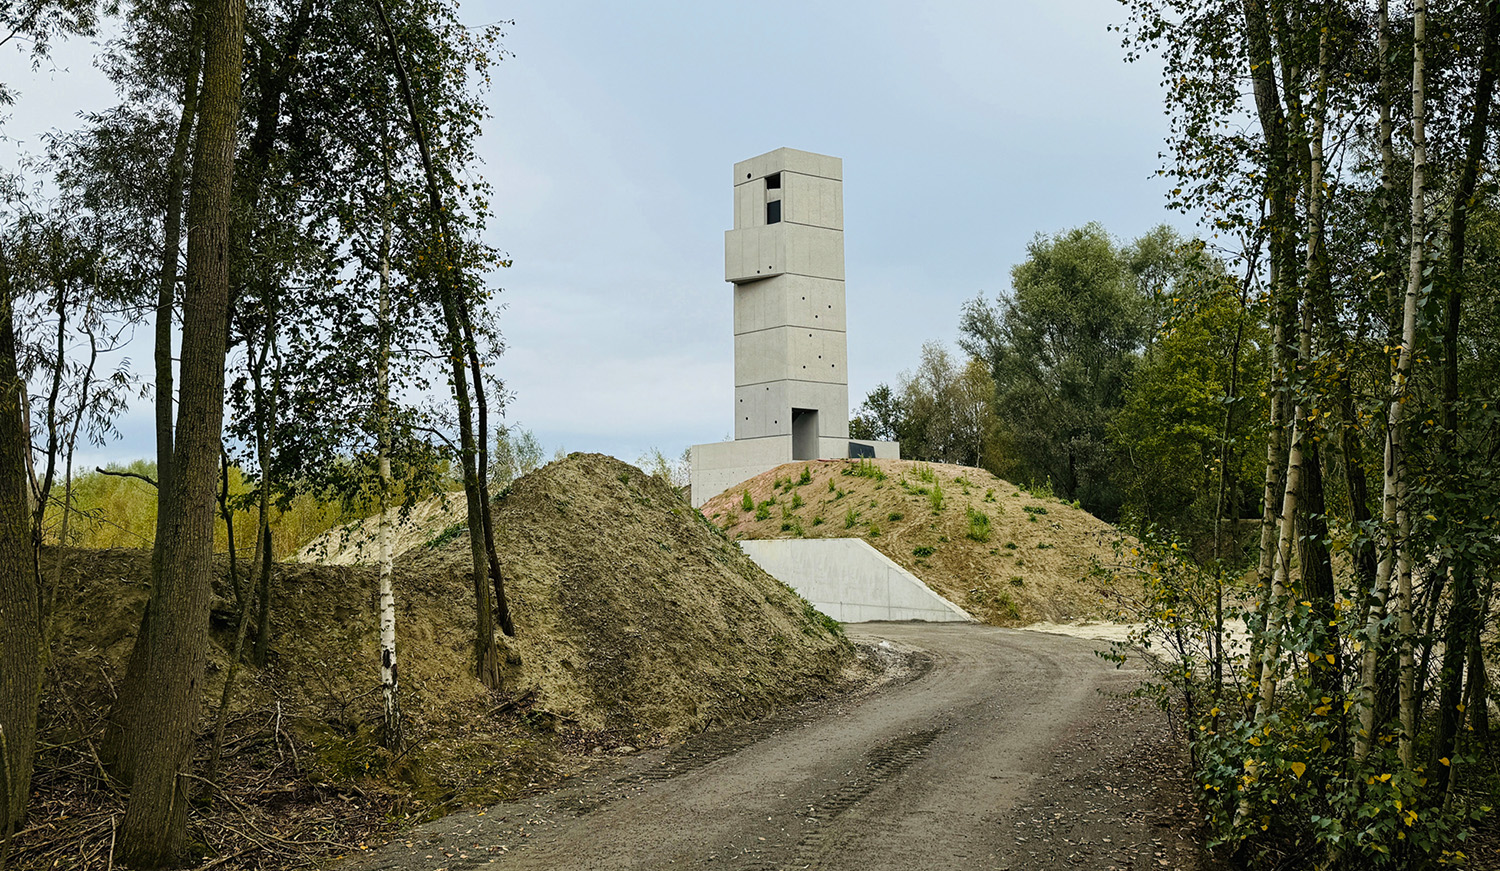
850, 581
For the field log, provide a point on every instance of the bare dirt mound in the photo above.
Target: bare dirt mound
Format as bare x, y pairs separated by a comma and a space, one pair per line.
1004, 555
634, 616
637, 622
355, 544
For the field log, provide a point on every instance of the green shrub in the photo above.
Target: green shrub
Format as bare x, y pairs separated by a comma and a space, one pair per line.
864, 469
818, 521
1034, 509
989, 495
979, 525
796, 501
806, 476
762, 511
851, 518
446, 536
874, 530
924, 473
747, 503
923, 550
936, 497
894, 516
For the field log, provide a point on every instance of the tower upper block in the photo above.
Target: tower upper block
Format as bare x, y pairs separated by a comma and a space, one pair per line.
785, 257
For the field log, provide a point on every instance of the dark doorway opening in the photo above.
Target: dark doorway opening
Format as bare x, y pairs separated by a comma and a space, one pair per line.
804, 434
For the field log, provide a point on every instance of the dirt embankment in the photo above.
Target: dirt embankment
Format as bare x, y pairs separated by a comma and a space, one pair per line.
1006, 556
637, 623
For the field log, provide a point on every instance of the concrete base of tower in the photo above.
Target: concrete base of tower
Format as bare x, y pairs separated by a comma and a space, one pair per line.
720, 466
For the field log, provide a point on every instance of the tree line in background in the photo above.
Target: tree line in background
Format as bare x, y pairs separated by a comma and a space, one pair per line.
283, 198
1299, 420
1099, 377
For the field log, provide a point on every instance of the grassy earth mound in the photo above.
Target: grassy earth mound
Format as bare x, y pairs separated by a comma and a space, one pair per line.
637, 623
1004, 555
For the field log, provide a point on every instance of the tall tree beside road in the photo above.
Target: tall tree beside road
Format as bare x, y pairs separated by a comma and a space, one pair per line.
153, 833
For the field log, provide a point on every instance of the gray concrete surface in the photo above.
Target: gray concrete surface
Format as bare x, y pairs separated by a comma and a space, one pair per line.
851, 581
785, 258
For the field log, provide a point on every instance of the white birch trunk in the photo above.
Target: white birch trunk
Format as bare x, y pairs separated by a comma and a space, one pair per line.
1399, 538
389, 674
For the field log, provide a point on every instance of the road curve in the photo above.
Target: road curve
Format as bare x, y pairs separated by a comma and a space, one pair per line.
1008, 749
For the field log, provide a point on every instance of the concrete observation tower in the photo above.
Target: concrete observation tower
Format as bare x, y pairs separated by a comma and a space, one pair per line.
785, 258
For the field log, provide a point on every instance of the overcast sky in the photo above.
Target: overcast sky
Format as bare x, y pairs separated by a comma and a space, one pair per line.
965, 129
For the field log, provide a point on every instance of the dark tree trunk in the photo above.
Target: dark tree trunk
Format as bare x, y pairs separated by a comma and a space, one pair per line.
115, 749
20, 621
1463, 615
153, 833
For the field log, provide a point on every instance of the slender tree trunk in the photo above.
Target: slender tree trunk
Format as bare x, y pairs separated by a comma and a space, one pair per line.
1376, 609
1280, 194
389, 672
228, 515
54, 395
265, 427
1463, 615
153, 833
20, 622
1399, 543
1316, 567
486, 654
70, 444
1270, 666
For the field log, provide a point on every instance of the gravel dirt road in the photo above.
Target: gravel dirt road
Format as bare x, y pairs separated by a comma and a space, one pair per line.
989, 749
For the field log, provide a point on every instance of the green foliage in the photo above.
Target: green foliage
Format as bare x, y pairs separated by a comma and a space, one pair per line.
1061, 348
1034, 510
923, 550
874, 530
851, 517
979, 526
925, 473
935, 498
863, 469
1174, 413
806, 477
747, 503
895, 516
817, 521
818, 618
763, 511
448, 534
796, 501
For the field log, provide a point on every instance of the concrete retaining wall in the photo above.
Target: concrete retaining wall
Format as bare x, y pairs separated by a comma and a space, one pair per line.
850, 581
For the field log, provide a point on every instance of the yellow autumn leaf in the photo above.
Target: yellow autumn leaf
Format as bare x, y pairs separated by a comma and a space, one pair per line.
1297, 769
